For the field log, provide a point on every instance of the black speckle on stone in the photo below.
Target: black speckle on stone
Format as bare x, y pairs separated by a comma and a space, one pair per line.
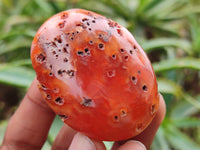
64, 16
145, 88
122, 50
87, 102
101, 45
65, 60
41, 57
59, 101
80, 53
70, 73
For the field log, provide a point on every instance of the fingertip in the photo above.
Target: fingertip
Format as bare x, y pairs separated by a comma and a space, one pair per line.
81, 142
147, 136
25, 123
160, 115
162, 105
65, 135
132, 144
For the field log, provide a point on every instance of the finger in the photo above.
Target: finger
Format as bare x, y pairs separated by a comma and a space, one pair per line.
147, 136
132, 145
29, 126
64, 138
82, 142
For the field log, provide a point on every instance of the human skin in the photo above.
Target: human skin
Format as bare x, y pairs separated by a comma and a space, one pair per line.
29, 126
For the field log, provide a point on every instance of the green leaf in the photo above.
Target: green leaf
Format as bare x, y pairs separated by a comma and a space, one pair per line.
3, 126
38, 9
108, 145
160, 143
191, 100
55, 128
169, 87
183, 109
177, 63
22, 62
161, 29
100, 7
179, 140
119, 8
17, 76
16, 44
186, 122
154, 44
45, 6
195, 33
46, 146
150, 4
26, 33
164, 7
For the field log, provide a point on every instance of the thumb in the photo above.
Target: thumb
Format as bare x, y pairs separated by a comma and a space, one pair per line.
132, 144
81, 142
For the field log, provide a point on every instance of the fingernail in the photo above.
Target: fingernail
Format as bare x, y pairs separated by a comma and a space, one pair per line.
138, 145
81, 142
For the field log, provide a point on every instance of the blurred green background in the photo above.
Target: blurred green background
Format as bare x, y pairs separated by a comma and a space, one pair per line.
168, 30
